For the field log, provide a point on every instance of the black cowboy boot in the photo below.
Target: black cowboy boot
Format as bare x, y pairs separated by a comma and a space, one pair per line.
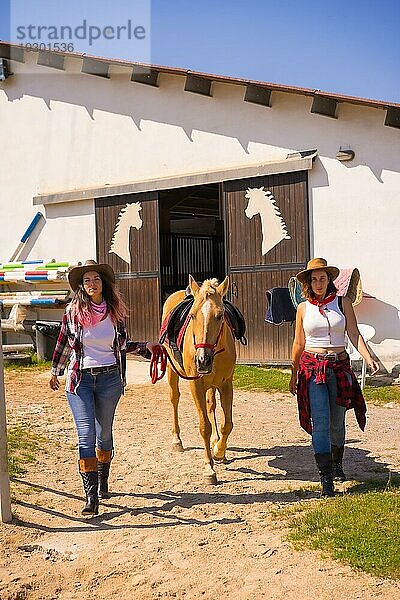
90, 481
337, 467
324, 463
103, 468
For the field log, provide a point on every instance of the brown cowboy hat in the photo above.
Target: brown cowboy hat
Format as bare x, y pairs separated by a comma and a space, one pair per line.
76, 273
317, 263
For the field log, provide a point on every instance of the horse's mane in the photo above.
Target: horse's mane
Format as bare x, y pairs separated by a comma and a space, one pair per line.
207, 289
209, 286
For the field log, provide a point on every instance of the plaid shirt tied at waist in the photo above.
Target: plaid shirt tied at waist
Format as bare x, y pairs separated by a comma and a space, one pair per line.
349, 393
69, 346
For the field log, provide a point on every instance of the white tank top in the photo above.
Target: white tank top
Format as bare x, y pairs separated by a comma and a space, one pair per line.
324, 331
98, 344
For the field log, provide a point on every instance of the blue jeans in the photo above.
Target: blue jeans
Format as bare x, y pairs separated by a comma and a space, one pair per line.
93, 408
327, 417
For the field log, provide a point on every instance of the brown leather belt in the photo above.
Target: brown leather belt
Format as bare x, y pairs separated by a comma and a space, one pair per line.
97, 370
332, 356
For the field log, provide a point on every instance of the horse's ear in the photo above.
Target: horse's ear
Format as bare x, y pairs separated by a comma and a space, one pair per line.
223, 287
194, 287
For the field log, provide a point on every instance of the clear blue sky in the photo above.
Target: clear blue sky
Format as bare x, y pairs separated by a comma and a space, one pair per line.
350, 47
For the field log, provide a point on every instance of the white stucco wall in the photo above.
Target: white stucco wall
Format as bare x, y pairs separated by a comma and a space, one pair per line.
67, 130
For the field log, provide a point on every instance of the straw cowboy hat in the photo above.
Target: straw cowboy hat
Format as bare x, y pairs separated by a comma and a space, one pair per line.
76, 273
317, 263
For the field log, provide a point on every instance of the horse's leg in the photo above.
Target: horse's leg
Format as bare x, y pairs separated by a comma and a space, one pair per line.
199, 397
226, 393
211, 406
174, 394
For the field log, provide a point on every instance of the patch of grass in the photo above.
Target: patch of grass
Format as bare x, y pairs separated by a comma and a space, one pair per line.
261, 378
383, 394
270, 379
303, 491
360, 528
38, 365
23, 447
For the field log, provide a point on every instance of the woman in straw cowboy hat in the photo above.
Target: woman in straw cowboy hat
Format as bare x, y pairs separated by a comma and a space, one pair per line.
94, 340
321, 374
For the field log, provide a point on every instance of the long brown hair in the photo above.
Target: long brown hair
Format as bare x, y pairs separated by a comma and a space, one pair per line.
306, 288
116, 307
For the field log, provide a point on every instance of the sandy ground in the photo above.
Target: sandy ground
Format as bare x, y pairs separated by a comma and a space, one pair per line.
165, 533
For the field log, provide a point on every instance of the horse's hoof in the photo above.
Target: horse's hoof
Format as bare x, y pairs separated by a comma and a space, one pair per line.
211, 479
221, 460
177, 447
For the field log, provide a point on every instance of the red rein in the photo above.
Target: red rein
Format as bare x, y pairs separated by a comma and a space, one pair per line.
160, 356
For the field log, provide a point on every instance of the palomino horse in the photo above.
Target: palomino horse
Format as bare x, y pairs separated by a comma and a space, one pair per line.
209, 357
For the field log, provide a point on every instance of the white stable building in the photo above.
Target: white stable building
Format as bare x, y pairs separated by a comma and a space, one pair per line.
180, 156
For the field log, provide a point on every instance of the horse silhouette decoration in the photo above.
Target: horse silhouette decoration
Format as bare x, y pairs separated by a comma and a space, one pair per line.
273, 227
209, 356
127, 218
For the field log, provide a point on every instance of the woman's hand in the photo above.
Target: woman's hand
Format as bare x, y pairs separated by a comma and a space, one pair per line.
54, 383
293, 384
153, 347
374, 366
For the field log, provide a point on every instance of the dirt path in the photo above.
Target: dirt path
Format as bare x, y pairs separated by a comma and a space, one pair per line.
164, 534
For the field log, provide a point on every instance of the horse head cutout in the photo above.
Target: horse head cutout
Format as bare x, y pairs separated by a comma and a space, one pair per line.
127, 218
207, 320
273, 227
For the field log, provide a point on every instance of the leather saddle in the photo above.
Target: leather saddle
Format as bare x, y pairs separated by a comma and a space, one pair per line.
171, 330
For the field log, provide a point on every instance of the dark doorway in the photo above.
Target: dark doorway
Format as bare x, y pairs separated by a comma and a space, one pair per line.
191, 236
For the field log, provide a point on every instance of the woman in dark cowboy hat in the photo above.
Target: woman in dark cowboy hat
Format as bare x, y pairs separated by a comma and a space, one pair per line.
321, 374
93, 338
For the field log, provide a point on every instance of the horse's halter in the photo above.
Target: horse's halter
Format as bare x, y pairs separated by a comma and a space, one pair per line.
211, 347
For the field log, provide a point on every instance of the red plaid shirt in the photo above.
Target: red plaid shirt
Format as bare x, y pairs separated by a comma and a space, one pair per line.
69, 346
349, 393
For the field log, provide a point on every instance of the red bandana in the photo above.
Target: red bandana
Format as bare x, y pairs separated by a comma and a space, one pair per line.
321, 303
97, 313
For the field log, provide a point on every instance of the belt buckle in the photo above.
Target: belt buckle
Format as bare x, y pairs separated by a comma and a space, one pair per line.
332, 356
93, 370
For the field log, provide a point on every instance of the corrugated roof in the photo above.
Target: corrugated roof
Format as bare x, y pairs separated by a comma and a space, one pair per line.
219, 78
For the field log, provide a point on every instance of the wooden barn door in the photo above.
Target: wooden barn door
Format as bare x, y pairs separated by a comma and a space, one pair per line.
137, 270
252, 272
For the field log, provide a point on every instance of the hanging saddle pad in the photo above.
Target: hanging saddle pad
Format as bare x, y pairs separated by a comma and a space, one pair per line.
280, 307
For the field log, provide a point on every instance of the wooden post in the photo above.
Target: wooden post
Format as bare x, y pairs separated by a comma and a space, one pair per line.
5, 502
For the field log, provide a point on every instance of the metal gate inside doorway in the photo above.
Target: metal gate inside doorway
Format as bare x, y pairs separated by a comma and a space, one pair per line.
191, 236
181, 254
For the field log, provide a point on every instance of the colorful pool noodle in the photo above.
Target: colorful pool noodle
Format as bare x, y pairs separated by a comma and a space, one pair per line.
27, 235
34, 293
31, 276
33, 296
40, 264
34, 302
